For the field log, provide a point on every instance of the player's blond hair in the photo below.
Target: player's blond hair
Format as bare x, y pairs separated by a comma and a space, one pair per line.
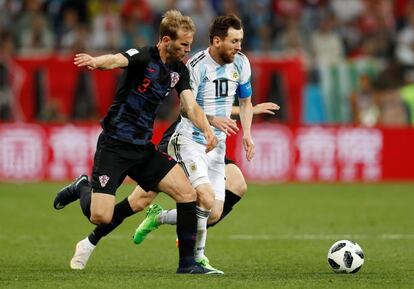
172, 21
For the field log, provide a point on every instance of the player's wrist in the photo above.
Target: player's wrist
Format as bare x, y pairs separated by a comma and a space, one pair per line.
210, 119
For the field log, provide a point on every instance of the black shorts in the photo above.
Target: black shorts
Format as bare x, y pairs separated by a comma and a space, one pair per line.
114, 160
163, 145
228, 161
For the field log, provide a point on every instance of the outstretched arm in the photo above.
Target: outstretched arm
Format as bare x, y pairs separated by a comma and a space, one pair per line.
103, 62
264, 107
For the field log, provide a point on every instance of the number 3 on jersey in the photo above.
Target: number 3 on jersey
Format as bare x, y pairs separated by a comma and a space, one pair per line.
144, 85
222, 87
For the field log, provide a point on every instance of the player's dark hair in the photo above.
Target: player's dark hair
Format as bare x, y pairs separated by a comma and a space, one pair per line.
221, 25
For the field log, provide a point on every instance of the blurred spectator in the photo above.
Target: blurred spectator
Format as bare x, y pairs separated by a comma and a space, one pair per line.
312, 14
33, 33
392, 109
346, 10
326, 45
407, 94
6, 95
387, 86
259, 15
399, 8
137, 28
158, 7
106, 27
8, 12
405, 40
377, 26
68, 30
364, 103
286, 13
291, 39
80, 6
201, 12
228, 7
10, 80
71, 20
287, 8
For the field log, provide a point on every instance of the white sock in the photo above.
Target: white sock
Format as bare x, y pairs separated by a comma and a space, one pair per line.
87, 243
168, 217
202, 217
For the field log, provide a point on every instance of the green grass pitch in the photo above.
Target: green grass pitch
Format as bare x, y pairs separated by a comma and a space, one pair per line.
277, 237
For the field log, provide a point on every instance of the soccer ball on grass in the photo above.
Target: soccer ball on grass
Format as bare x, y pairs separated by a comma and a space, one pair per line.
345, 257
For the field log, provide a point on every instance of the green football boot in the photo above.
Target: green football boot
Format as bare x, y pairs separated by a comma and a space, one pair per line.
149, 224
204, 262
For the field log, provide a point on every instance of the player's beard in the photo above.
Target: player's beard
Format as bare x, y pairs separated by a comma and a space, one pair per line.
174, 53
227, 57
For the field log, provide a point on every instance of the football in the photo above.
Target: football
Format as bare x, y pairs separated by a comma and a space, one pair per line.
345, 256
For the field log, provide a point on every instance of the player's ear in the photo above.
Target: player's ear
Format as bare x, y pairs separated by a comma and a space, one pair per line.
166, 39
216, 41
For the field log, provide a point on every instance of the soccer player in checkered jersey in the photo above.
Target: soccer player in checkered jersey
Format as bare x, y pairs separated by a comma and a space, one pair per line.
124, 147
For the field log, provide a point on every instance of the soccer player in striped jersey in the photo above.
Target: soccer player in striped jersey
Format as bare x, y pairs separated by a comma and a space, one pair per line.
217, 75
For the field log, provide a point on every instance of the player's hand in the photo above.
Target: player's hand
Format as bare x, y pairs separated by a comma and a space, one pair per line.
265, 107
211, 140
248, 146
83, 59
225, 124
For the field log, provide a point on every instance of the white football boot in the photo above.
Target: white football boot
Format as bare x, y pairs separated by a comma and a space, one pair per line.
83, 251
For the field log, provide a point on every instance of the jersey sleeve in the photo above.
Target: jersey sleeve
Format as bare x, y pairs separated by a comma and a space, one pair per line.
136, 57
184, 81
245, 87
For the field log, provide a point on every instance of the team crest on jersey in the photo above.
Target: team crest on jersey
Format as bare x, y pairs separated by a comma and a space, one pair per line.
193, 166
175, 77
235, 75
103, 180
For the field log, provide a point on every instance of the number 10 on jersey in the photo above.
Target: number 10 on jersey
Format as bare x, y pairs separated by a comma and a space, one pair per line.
222, 87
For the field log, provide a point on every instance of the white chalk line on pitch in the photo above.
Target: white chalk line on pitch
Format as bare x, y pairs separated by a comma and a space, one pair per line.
322, 237
265, 237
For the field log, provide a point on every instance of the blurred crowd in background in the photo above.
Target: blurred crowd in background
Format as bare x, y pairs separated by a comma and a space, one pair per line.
358, 54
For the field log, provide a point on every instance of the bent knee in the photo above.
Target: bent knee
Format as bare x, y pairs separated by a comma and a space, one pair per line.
242, 189
239, 188
185, 195
214, 217
100, 218
205, 200
140, 204
139, 207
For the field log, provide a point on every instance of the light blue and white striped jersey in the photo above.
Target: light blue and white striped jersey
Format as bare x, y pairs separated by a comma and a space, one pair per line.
215, 87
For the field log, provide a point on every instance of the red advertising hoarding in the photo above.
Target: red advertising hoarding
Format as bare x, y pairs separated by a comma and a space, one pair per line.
34, 152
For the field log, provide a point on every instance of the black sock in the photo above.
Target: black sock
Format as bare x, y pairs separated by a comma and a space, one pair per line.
229, 201
122, 211
186, 232
85, 199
